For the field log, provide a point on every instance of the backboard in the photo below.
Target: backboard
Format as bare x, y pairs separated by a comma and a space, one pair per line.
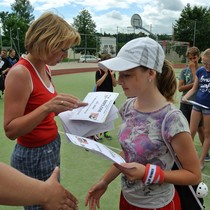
136, 21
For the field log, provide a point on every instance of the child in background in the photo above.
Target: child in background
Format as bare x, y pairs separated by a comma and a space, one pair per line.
105, 81
201, 87
12, 57
186, 79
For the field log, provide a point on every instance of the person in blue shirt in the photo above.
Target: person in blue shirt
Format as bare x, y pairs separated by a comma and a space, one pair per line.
186, 80
201, 87
12, 57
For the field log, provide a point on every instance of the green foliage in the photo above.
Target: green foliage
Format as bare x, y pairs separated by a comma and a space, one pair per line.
87, 29
164, 37
84, 23
16, 23
193, 26
123, 38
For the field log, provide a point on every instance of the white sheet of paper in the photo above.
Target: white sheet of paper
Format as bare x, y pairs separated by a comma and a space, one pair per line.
99, 105
107, 126
95, 147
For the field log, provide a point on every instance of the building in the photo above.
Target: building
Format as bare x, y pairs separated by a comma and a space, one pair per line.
108, 46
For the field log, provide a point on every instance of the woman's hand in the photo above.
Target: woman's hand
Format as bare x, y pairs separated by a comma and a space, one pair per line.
94, 195
63, 102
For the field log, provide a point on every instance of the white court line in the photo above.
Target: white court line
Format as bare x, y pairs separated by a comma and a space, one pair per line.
119, 150
205, 175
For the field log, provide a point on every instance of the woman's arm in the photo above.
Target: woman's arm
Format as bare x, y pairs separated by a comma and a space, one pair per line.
18, 87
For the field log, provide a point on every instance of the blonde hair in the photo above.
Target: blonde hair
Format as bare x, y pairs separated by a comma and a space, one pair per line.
206, 53
49, 34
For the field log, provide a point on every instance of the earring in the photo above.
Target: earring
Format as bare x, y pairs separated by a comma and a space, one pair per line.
149, 80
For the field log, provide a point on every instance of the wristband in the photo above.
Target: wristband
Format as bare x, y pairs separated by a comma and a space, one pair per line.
153, 175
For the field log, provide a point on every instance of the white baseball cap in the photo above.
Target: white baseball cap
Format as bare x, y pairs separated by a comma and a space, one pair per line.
142, 51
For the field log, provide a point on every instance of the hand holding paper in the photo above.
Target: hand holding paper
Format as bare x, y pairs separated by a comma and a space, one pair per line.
99, 105
133, 170
93, 119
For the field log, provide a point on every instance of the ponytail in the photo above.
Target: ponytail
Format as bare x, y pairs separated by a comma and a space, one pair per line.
166, 81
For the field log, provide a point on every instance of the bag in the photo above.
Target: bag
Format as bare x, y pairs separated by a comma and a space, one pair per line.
187, 195
187, 199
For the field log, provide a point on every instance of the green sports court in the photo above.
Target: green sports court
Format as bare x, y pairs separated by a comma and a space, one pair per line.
80, 168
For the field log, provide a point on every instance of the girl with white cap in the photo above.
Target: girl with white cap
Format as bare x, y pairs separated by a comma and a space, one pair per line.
147, 179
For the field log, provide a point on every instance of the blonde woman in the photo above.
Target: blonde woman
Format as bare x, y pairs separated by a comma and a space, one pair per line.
31, 101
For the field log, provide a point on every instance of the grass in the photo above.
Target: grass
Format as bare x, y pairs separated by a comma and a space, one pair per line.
79, 168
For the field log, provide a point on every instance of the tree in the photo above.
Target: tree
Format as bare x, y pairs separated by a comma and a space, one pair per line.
84, 24
16, 23
193, 26
23, 10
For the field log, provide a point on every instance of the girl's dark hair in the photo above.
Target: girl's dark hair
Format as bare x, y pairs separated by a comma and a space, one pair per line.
166, 81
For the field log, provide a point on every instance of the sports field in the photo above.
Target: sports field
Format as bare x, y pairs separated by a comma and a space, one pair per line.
79, 168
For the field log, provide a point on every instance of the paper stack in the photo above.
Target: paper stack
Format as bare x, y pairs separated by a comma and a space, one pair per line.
97, 117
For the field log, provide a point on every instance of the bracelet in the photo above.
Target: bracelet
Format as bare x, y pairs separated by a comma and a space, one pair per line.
153, 175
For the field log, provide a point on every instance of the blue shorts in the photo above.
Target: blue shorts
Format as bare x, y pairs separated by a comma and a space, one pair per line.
202, 110
38, 162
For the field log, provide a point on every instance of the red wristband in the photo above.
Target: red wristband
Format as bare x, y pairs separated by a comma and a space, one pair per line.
146, 172
153, 174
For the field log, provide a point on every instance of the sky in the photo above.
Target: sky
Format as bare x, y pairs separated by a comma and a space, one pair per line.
112, 16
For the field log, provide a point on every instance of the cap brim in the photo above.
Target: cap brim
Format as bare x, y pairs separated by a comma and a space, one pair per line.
117, 64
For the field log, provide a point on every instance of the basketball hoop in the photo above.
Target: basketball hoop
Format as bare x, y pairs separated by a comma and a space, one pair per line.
136, 21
